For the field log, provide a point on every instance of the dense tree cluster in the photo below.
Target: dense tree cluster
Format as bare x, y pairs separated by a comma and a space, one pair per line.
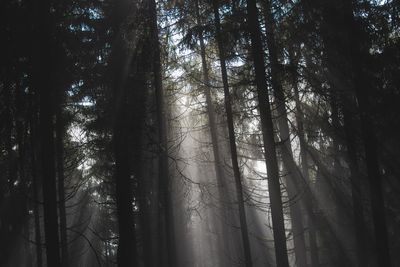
200, 133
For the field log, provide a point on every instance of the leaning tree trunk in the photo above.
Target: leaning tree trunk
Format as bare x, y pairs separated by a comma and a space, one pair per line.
268, 136
312, 230
293, 192
232, 140
218, 166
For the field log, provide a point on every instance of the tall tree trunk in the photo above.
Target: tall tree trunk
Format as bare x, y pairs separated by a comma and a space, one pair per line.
36, 208
293, 192
356, 192
340, 17
373, 171
33, 125
127, 255
232, 140
312, 231
210, 106
341, 103
268, 136
8, 128
218, 167
60, 129
128, 115
164, 183
44, 85
362, 91
21, 164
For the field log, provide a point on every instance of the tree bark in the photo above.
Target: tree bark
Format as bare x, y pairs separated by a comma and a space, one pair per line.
232, 140
35, 170
45, 87
60, 129
268, 136
218, 167
123, 119
36, 208
164, 183
293, 192
356, 192
312, 231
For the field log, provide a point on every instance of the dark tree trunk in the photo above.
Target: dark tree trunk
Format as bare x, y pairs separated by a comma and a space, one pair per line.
127, 255
224, 199
268, 136
45, 87
34, 149
312, 230
164, 178
8, 126
210, 107
356, 192
60, 130
373, 171
232, 140
340, 18
293, 192
49, 177
362, 91
21, 164
128, 118
36, 207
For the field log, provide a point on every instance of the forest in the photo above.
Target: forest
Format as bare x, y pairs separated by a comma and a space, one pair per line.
200, 133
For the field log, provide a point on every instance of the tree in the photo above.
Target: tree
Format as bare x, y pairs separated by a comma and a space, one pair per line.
286, 149
44, 84
268, 136
232, 140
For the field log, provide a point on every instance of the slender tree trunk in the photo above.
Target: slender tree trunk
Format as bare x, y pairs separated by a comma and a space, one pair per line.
8, 128
293, 192
21, 163
312, 231
60, 129
232, 140
268, 137
33, 125
218, 167
210, 107
38, 238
